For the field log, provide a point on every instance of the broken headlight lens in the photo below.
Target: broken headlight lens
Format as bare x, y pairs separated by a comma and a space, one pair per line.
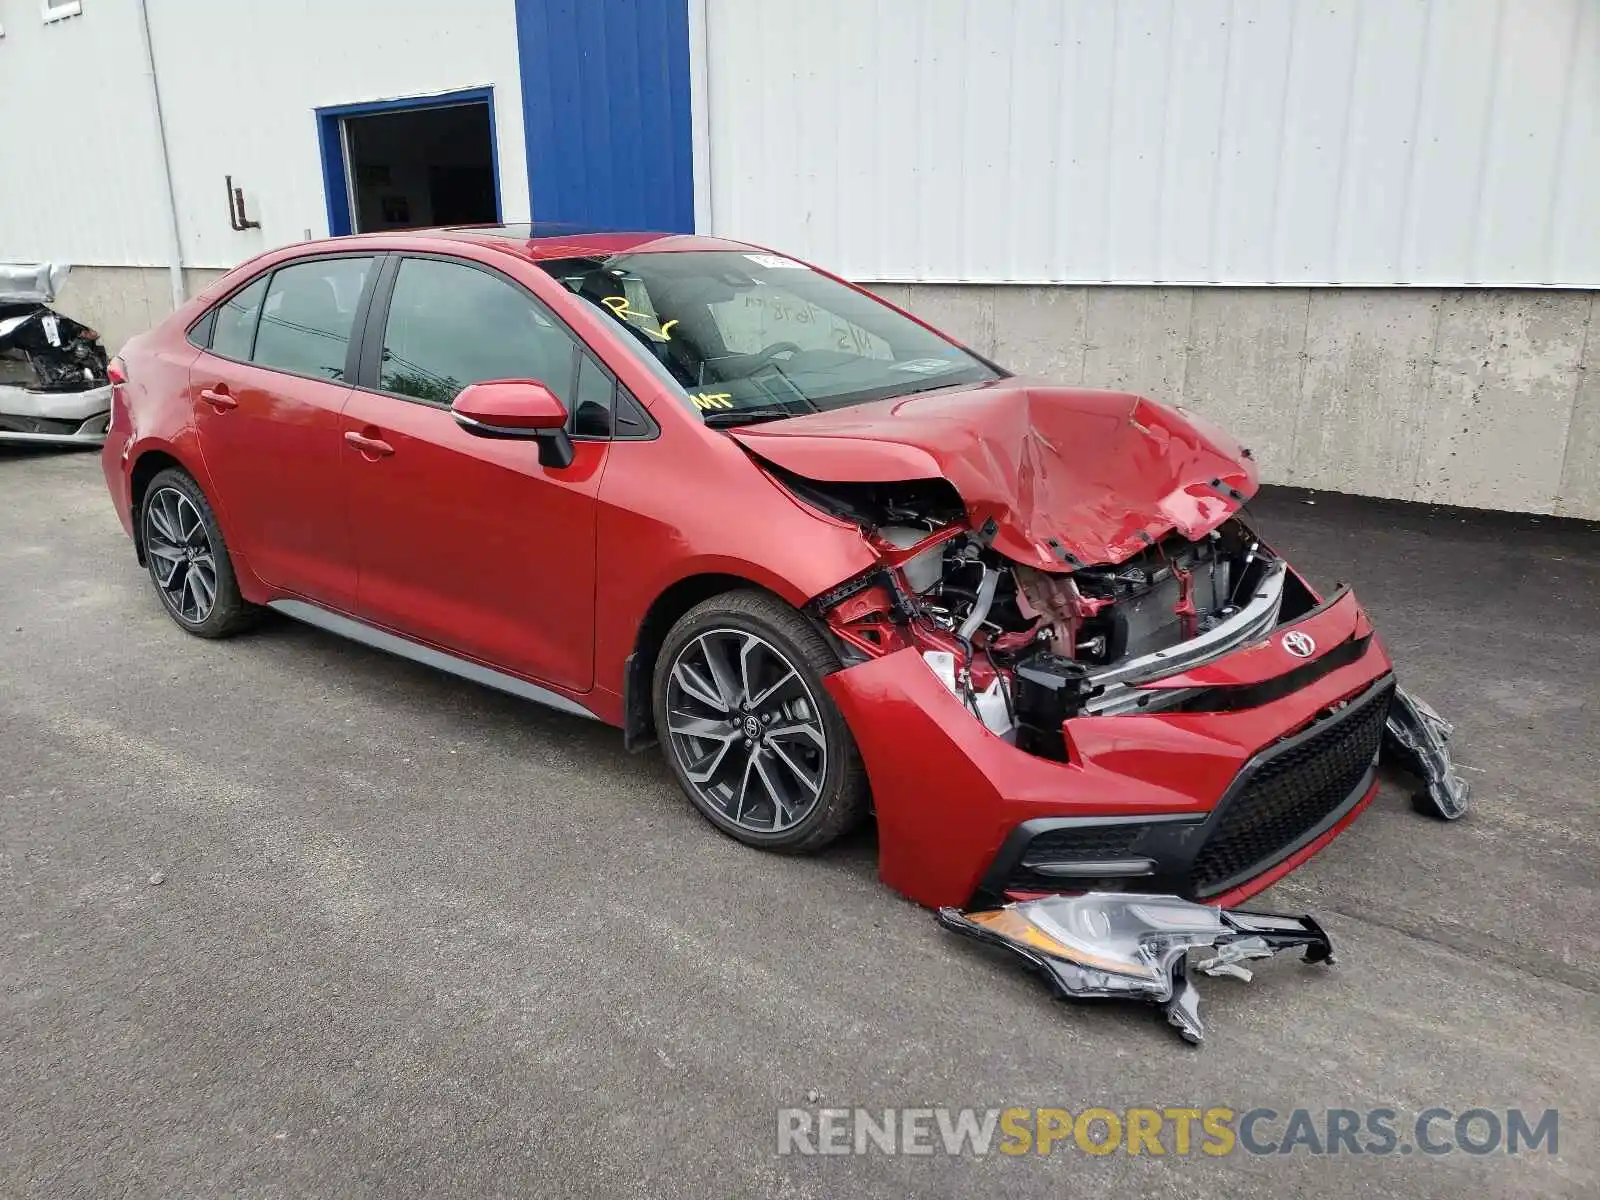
1105, 945
1418, 740
1127, 935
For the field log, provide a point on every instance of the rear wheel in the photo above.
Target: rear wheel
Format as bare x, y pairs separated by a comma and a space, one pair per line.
188, 559
747, 728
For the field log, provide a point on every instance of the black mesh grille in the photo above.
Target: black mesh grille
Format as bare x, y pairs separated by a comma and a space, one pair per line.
1093, 841
16, 424
1290, 794
1086, 844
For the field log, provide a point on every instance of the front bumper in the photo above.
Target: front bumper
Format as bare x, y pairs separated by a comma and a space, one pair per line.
1284, 800
54, 418
1211, 804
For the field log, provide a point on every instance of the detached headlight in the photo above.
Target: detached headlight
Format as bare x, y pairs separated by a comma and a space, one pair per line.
1127, 935
1418, 740
1106, 945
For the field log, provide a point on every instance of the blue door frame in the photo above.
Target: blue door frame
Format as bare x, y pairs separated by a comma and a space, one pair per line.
335, 186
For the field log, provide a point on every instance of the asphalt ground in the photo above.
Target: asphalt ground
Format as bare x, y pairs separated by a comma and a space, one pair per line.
417, 938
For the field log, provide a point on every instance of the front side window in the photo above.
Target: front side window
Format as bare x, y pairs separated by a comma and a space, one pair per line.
308, 315
748, 336
450, 325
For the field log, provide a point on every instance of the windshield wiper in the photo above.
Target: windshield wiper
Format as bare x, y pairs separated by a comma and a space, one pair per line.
934, 386
747, 416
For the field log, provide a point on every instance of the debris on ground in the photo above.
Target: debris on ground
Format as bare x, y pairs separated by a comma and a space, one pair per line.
1119, 945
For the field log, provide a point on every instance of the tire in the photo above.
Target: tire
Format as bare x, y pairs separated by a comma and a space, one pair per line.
184, 551
699, 713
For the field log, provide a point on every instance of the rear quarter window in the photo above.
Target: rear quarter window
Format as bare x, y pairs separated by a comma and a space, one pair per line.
233, 330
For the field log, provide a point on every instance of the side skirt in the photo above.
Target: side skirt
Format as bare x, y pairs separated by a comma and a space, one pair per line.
382, 639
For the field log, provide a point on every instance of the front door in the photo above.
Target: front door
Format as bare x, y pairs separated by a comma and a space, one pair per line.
267, 393
460, 541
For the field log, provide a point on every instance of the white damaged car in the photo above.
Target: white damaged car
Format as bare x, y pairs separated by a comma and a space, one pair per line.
53, 384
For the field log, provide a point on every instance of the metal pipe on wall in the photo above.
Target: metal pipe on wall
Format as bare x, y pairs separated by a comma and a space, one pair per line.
174, 246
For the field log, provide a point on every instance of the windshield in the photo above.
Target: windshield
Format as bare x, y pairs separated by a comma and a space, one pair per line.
748, 337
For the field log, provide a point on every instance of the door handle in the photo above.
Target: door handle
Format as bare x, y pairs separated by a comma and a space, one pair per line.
219, 400
370, 446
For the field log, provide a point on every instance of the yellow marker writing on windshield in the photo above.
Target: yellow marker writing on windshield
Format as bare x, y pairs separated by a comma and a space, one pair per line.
623, 312
705, 400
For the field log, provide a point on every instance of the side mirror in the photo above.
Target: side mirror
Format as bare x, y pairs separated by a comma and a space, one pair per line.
517, 408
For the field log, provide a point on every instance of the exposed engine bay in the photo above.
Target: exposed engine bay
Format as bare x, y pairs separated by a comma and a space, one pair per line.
1152, 701
1025, 648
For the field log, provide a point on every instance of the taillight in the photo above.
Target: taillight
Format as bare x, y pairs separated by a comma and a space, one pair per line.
117, 373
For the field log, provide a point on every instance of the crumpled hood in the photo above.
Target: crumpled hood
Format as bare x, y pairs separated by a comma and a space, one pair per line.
1069, 476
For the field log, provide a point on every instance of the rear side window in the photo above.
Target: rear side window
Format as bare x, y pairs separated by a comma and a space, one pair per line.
308, 314
235, 329
450, 325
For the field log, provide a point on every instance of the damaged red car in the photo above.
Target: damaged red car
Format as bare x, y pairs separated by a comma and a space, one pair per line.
837, 565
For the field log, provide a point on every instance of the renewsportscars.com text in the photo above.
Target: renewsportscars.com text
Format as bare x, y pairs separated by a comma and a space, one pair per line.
1214, 1131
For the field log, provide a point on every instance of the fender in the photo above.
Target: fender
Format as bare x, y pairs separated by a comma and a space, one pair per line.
652, 533
185, 449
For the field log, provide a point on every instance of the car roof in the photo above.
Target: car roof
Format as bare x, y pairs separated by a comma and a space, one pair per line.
543, 241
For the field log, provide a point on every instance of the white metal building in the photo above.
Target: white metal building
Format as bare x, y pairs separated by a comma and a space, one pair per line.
1361, 233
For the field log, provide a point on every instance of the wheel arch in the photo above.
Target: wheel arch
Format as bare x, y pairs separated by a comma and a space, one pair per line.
146, 467
638, 672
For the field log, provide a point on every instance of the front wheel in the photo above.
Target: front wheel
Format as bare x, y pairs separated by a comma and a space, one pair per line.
747, 728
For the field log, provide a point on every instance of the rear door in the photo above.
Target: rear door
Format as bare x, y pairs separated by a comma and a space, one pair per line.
267, 391
462, 541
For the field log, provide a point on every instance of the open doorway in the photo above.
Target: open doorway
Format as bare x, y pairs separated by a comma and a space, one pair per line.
406, 164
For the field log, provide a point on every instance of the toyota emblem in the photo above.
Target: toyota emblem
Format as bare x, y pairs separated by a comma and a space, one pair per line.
1299, 644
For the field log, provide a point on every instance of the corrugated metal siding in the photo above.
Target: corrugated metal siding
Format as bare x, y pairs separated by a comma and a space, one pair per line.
80, 181
80, 170
606, 107
1424, 142
242, 80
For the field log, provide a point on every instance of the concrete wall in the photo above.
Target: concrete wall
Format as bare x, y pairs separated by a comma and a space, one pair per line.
118, 302
1481, 398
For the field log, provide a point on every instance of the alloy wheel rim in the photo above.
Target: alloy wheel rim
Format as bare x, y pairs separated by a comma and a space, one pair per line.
181, 557
746, 730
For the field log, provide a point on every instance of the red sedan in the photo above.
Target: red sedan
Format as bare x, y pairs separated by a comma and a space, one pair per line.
833, 561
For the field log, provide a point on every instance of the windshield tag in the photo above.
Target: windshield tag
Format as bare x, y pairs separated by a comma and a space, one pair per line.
925, 366
775, 262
